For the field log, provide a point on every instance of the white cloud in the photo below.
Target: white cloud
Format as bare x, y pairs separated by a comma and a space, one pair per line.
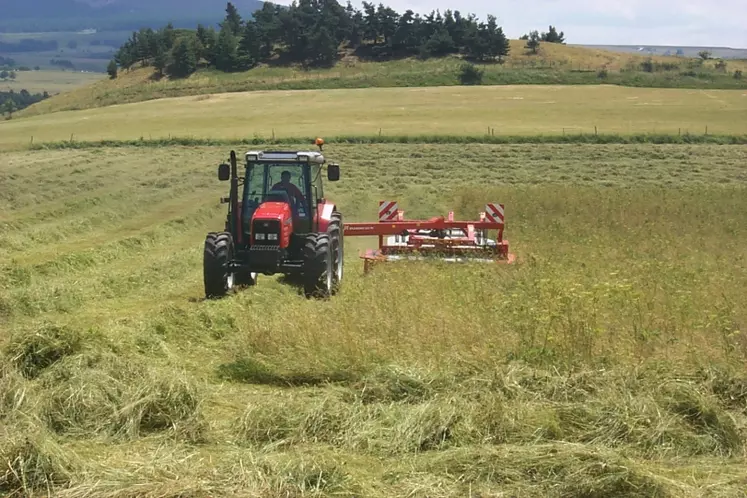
629, 22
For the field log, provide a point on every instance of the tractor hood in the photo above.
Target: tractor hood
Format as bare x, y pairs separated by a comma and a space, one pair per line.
273, 211
272, 218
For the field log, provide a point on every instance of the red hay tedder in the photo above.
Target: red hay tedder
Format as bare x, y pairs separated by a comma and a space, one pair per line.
445, 239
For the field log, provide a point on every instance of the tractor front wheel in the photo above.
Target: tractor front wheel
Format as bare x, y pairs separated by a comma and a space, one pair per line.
218, 251
318, 270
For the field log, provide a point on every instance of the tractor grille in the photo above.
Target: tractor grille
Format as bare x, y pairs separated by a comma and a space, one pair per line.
264, 247
266, 232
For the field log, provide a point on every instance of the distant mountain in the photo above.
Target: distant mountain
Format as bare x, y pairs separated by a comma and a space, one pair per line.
210, 8
110, 15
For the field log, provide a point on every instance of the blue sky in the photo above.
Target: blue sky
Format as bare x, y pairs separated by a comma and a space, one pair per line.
628, 22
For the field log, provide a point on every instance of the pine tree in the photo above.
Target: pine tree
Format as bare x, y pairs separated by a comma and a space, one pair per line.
406, 36
112, 69
168, 36
184, 60
476, 43
354, 26
386, 20
498, 44
226, 55
534, 42
372, 30
233, 20
208, 39
439, 44
10, 107
161, 60
552, 36
249, 47
323, 47
504, 45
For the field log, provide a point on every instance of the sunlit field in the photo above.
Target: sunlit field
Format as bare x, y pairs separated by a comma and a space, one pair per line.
515, 110
608, 361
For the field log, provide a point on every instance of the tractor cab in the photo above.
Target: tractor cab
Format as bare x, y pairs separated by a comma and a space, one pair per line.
291, 178
269, 180
276, 181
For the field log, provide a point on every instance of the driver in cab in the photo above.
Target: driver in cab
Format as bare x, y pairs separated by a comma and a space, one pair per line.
293, 191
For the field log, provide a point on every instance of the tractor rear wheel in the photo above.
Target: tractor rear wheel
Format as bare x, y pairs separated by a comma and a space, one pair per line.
338, 246
318, 270
218, 251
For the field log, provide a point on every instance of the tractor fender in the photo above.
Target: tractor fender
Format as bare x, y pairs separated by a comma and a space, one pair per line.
324, 212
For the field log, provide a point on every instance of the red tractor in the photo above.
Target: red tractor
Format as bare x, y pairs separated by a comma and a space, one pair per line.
278, 222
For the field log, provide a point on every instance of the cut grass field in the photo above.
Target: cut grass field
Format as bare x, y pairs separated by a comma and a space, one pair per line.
609, 361
515, 110
52, 82
554, 64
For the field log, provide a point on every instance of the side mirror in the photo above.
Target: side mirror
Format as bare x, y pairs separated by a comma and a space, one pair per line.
224, 172
333, 172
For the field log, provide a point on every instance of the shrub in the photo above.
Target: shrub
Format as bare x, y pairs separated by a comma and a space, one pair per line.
469, 74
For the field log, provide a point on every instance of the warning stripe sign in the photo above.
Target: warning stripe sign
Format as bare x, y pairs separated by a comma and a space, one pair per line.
494, 213
387, 210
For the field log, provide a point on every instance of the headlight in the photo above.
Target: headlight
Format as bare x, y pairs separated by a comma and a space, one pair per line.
259, 236
272, 236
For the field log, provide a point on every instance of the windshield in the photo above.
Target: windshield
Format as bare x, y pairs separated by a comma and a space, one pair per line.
261, 179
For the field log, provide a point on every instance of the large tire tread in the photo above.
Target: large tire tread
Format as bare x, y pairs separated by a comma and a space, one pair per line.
217, 253
317, 262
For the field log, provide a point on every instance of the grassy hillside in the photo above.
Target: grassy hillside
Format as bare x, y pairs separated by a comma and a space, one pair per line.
507, 110
555, 64
610, 361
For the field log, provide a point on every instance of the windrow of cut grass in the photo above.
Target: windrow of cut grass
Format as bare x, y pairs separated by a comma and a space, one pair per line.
608, 361
487, 139
402, 114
